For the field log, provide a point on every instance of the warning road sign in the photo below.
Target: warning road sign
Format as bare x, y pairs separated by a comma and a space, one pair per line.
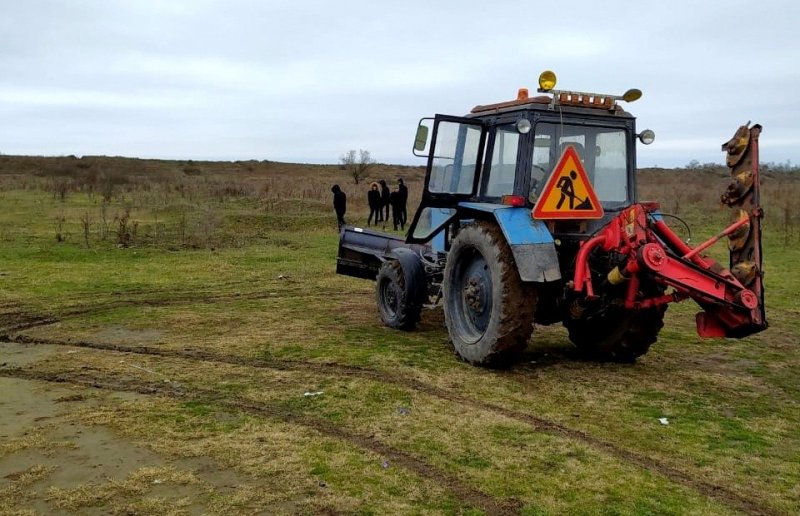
568, 193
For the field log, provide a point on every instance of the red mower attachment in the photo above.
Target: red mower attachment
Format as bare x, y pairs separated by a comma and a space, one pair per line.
732, 299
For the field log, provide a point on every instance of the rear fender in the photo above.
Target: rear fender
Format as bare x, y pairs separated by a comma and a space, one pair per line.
413, 272
531, 243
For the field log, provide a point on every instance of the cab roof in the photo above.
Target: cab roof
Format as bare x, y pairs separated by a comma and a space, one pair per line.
584, 105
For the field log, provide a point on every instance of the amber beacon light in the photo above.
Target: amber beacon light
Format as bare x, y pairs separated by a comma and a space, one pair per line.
547, 81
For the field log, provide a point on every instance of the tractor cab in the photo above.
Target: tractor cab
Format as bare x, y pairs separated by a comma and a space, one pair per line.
502, 155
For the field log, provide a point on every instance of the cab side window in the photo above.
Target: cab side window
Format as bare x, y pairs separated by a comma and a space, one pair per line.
503, 168
610, 164
540, 162
455, 156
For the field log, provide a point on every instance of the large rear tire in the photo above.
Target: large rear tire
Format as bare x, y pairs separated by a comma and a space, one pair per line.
398, 307
615, 333
488, 310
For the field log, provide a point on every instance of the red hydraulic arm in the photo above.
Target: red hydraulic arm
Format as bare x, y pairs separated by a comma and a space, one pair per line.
732, 299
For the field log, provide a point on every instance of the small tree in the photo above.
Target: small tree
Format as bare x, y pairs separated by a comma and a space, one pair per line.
357, 163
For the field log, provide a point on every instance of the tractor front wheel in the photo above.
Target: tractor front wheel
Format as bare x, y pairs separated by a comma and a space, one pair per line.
488, 310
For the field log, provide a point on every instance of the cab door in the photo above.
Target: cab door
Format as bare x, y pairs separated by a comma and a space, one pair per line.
454, 169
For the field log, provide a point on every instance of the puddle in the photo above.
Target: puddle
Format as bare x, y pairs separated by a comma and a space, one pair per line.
37, 434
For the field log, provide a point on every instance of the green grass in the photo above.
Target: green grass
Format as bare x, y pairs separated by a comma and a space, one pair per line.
264, 287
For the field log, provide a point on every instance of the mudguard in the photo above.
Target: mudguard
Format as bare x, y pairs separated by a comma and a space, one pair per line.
413, 273
530, 241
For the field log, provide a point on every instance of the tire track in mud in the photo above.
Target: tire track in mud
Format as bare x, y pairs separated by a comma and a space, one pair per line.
24, 321
721, 494
79, 296
19, 321
463, 492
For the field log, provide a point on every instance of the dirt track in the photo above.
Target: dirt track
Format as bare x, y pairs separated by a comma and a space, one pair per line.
474, 497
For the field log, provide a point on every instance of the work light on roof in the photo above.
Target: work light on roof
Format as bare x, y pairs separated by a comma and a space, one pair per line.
547, 84
547, 81
632, 95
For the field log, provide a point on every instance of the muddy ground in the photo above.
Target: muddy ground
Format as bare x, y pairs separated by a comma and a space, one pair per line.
50, 457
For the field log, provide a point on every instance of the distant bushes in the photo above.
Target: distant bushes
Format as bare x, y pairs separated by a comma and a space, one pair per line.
96, 201
694, 195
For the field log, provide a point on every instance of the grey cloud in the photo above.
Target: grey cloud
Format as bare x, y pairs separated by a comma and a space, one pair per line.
305, 81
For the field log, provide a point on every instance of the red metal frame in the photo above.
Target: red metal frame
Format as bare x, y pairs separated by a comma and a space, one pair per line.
653, 249
713, 240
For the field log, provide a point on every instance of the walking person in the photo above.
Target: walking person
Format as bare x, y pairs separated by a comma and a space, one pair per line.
374, 200
403, 201
339, 205
385, 200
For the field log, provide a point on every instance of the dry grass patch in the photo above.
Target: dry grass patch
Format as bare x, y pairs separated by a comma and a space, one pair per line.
33, 439
117, 493
286, 467
18, 492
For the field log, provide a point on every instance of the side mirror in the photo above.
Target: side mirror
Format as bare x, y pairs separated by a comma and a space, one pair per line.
421, 139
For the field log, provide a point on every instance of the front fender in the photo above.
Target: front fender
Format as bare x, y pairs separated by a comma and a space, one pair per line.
531, 243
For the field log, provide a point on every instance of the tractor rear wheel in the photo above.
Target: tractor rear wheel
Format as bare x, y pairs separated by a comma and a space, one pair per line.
615, 333
396, 305
488, 310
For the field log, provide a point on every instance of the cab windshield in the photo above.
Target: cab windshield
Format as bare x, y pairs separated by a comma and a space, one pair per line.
602, 150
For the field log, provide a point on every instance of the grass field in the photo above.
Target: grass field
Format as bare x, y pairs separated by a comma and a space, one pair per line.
174, 340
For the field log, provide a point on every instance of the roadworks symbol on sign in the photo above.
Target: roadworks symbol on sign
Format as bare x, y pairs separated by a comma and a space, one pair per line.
568, 193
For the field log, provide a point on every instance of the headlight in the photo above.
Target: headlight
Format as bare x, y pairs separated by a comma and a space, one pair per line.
647, 136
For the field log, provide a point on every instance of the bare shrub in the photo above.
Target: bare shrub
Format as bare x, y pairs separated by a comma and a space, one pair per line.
182, 228
86, 223
230, 189
210, 220
107, 189
61, 236
357, 165
104, 220
61, 186
126, 229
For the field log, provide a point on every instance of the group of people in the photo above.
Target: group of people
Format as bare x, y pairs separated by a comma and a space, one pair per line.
380, 199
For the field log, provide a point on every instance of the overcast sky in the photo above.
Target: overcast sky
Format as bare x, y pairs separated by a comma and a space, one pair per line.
305, 81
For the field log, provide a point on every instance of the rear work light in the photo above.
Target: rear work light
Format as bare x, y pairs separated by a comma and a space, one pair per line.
517, 201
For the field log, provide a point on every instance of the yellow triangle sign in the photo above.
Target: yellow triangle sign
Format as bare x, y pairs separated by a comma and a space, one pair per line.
568, 193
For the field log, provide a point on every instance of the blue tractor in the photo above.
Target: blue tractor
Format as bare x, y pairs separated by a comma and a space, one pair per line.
529, 214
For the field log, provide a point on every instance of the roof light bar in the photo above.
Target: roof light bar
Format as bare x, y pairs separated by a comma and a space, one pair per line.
547, 81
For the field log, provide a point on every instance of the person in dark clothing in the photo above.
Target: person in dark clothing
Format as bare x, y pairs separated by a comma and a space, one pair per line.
374, 200
339, 205
385, 198
394, 202
402, 191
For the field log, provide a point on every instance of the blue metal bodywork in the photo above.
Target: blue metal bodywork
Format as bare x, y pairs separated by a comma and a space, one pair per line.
439, 218
531, 242
517, 224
